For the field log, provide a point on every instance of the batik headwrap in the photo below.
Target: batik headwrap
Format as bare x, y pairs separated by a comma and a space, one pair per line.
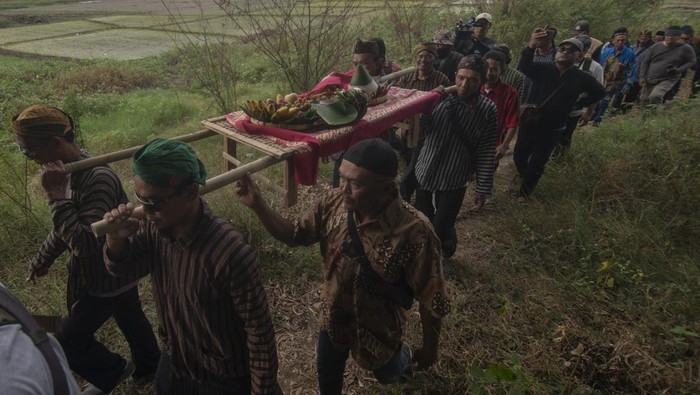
426, 46
168, 163
41, 121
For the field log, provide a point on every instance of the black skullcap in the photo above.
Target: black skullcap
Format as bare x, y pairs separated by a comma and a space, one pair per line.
375, 155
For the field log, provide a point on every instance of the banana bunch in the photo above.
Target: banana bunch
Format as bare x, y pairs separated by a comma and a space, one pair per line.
290, 109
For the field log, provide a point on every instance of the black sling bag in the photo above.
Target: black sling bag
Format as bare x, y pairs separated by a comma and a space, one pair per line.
402, 295
39, 338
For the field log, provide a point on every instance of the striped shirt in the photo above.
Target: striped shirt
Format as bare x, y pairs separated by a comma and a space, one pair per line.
93, 192
214, 318
460, 139
430, 82
517, 80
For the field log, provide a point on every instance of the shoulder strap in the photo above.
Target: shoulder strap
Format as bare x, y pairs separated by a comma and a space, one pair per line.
39, 338
561, 84
587, 64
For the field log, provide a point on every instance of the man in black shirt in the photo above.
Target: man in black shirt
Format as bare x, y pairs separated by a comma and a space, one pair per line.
556, 87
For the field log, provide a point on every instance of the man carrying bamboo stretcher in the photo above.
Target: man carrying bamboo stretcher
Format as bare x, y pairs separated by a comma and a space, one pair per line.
46, 136
379, 254
213, 312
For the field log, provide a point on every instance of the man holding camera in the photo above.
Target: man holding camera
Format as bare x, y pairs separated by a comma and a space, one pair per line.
471, 36
663, 65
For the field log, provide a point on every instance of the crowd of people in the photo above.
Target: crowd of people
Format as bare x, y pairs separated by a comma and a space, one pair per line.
379, 251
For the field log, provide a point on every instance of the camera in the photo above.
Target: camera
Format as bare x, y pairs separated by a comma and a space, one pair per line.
462, 27
464, 41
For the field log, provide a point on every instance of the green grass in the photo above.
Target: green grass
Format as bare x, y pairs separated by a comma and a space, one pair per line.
591, 287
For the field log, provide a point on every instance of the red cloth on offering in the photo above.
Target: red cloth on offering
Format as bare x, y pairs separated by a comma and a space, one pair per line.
401, 104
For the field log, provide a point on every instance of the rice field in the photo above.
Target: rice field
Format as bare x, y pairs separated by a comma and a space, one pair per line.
119, 44
39, 32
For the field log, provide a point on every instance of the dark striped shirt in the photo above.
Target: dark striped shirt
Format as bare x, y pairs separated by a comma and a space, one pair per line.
212, 307
517, 80
431, 81
459, 134
94, 191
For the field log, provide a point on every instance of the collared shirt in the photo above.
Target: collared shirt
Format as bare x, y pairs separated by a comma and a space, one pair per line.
547, 56
430, 82
505, 98
214, 318
402, 249
620, 67
93, 192
546, 79
460, 138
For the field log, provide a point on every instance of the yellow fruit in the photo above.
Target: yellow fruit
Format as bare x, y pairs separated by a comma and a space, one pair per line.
293, 111
282, 112
291, 98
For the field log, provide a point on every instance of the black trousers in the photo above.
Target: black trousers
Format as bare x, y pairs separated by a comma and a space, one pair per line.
168, 382
531, 153
90, 358
442, 214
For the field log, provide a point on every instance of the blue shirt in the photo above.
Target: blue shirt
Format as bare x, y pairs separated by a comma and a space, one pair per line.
626, 58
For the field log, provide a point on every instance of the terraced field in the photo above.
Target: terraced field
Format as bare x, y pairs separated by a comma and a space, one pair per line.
126, 29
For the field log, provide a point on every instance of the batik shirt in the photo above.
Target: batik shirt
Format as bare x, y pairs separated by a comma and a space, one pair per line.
402, 249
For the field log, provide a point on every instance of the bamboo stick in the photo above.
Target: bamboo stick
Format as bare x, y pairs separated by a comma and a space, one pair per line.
128, 152
102, 227
397, 74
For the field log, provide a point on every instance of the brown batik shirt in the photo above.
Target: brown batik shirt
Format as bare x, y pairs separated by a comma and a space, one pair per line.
211, 304
401, 247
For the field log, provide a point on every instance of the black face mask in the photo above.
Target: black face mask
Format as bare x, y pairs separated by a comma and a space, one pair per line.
443, 52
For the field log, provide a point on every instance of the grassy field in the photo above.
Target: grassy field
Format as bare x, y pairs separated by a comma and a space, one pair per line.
590, 288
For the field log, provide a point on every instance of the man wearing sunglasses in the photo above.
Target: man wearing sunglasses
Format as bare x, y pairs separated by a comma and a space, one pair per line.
46, 136
214, 318
556, 86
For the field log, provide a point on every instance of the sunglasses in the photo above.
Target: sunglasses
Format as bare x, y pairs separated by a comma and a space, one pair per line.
157, 206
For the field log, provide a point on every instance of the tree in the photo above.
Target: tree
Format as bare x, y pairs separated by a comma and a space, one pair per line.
305, 40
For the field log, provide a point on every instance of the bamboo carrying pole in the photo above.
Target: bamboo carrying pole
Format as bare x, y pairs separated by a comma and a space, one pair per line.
126, 153
397, 74
102, 227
